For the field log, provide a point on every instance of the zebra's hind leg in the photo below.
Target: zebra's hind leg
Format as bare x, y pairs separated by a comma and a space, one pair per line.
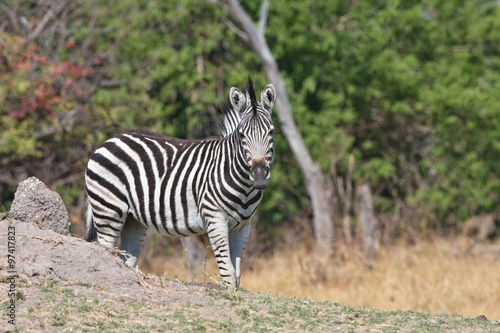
103, 225
132, 240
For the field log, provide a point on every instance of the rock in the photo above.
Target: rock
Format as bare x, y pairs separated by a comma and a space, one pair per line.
34, 202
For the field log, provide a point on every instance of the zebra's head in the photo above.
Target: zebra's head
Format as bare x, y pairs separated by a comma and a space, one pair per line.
255, 130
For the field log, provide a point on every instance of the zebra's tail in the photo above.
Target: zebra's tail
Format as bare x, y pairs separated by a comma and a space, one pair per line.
91, 231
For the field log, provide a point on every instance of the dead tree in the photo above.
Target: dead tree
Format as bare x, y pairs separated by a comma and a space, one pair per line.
317, 188
367, 226
344, 192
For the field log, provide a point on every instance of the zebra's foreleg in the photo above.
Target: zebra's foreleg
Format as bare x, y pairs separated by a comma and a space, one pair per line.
237, 242
132, 240
219, 240
237, 268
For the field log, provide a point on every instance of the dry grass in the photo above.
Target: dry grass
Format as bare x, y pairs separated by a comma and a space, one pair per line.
438, 276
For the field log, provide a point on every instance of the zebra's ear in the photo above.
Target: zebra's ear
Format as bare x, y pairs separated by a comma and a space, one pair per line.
237, 99
268, 97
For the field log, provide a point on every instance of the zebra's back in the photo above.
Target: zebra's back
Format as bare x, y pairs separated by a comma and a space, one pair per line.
158, 180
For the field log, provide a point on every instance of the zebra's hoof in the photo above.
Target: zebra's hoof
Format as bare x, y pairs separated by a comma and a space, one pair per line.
131, 262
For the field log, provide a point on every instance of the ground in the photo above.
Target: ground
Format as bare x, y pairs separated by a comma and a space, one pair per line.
53, 282
63, 283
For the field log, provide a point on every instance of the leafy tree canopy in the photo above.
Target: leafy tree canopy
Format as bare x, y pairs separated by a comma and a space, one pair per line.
408, 89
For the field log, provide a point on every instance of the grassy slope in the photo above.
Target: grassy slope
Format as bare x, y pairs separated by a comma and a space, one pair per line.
84, 308
438, 275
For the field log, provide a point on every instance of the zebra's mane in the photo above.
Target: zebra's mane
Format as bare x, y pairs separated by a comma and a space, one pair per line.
231, 117
250, 92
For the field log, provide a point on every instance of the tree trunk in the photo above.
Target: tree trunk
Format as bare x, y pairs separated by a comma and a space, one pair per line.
344, 192
366, 222
317, 188
194, 256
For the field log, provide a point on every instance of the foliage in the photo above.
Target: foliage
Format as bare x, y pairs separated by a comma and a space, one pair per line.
409, 89
47, 79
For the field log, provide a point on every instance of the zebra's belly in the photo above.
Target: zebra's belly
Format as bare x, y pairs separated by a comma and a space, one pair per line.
176, 224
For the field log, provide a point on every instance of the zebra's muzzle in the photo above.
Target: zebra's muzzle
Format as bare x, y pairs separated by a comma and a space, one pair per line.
260, 175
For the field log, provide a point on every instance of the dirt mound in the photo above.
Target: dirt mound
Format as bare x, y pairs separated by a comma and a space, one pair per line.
45, 254
44, 248
88, 272
36, 234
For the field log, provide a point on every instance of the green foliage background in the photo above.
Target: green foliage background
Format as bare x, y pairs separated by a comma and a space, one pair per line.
409, 89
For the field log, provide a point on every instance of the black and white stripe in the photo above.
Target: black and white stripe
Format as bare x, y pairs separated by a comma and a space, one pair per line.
139, 180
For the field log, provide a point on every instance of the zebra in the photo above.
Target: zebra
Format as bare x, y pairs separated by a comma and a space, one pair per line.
139, 180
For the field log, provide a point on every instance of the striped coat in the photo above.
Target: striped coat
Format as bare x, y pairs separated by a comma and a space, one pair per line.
140, 180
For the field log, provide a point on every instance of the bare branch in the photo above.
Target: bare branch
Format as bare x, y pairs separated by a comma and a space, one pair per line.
12, 175
264, 9
243, 35
66, 120
50, 13
237, 11
111, 83
60, 28
12, 17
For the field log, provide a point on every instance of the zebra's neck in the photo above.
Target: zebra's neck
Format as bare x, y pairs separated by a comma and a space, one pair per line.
235, 167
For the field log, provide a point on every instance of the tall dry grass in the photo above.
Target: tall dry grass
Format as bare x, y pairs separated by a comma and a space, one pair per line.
437, 276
